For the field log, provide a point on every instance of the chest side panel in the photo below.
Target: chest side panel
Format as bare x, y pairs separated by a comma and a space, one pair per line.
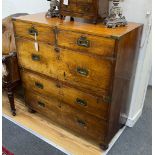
127, 57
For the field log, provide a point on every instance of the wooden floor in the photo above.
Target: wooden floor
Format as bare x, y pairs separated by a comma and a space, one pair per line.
60, 138
52, 134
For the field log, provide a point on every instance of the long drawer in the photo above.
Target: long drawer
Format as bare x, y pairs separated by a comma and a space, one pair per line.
97, 106
81, 70
80, 123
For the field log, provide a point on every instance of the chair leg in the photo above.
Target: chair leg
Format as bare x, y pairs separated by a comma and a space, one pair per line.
11, 100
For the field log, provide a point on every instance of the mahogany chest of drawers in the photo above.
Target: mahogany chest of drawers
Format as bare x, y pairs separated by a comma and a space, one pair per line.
82, 75
88, 9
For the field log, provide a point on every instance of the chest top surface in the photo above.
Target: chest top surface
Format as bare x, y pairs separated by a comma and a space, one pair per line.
98, 29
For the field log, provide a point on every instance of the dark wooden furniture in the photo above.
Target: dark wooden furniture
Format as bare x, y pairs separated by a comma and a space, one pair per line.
82, 76
88, 9
11, 78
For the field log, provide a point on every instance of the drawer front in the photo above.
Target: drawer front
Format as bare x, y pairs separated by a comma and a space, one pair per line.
28, 30
85, 8
81, 123
81, 70
86, 43
74, 97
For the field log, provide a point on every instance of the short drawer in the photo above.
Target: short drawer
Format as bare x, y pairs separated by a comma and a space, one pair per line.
85, 8
70, 7
28, 30
86, 43
80, 123
97, 106
83, 71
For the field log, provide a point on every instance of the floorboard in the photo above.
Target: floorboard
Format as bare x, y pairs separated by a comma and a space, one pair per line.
51, 133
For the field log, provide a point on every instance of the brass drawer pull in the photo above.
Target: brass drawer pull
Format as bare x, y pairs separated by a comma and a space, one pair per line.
81, 122
107, 99
41, 104
82, 71
39, 85
83, 41
81, 102
35, 57
32, 31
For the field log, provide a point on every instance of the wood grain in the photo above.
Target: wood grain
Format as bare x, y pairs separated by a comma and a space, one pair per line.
45, 33
98, 29
89, 103
64, 66
105, 68
128, 51
55, 134
73, 120
86, 9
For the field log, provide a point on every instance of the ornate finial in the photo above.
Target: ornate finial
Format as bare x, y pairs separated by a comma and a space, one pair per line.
54, 9
115, 17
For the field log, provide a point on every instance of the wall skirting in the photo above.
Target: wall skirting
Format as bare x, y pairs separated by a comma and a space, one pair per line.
132, 120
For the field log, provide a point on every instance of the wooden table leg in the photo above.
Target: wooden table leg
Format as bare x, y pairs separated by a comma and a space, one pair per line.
11, 100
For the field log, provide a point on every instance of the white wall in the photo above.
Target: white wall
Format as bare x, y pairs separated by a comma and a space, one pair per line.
150, 80
134, 11
23, 6
137, 11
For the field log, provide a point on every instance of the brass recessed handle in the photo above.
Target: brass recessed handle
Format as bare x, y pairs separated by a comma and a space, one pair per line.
32, 31
39, 85
83, 41
35, 57
41, 104
107, 99
81, 122
81, 102
82, 71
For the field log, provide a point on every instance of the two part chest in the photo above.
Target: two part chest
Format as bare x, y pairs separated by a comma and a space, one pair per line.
71, 78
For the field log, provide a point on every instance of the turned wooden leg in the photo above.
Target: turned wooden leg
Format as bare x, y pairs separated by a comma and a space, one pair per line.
11, 100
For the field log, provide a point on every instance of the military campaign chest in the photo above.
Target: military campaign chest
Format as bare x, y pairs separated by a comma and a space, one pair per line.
81, 76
